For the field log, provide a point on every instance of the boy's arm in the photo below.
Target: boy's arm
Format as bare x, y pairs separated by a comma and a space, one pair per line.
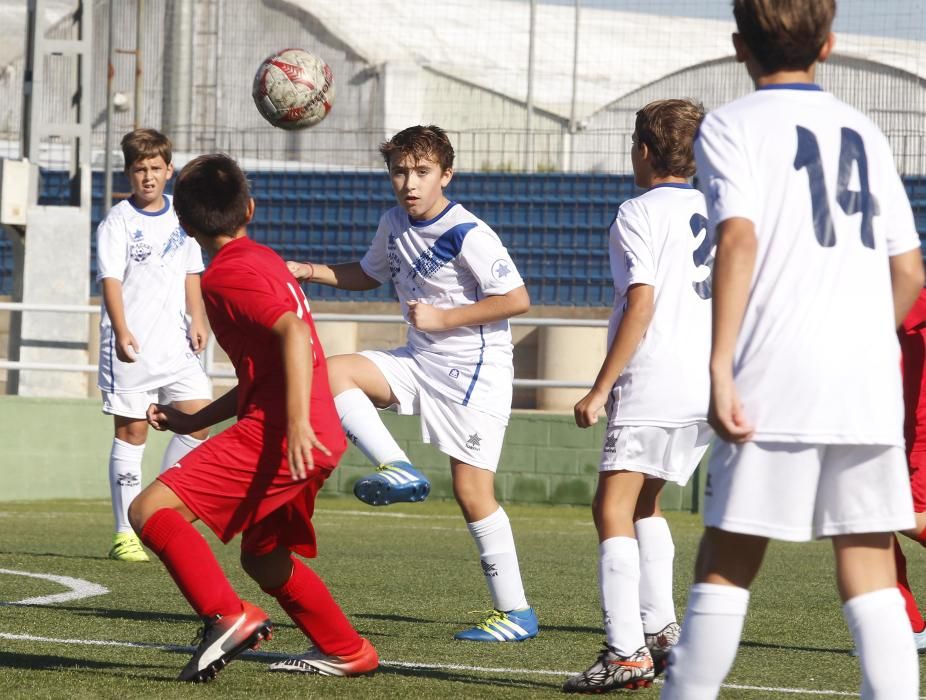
425, 317
906, 281
199, 327
343, 276
733, 267
296, 346
161, 417
630, 331
126, 345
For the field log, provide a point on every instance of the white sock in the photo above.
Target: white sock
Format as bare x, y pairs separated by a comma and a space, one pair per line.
178, 448
495, 542
619, 583
710, 636
124, 480
365, 429
657, 554
878, 623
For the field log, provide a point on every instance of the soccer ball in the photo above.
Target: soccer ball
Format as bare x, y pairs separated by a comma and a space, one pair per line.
293, 89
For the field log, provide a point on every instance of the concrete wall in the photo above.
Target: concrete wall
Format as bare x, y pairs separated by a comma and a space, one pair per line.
58, 448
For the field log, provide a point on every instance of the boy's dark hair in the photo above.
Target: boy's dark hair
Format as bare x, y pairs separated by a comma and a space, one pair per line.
211, 196
784, 34
420, 142
668, 128
145, 143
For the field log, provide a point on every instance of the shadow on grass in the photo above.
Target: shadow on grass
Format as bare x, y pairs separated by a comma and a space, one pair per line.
791, 647
455, 677
56, 555
44, 662
392, 618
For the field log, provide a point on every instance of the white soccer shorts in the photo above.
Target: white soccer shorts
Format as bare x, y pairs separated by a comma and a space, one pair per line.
796, 492
193, 386
659, 452
462, 432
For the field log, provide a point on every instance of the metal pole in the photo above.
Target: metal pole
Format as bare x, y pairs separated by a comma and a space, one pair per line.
139, 103
108, 146
529, 146
575, 70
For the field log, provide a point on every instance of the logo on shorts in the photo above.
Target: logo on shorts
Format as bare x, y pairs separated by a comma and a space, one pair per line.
500, 269
610, 443
454, 373
175, 465
128, 479
488, 569
708, 491
472, 443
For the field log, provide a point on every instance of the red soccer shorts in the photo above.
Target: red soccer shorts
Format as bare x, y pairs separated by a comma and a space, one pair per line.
917, 463
239, 481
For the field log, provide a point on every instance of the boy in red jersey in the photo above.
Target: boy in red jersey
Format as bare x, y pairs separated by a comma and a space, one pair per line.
261, 475
913, 350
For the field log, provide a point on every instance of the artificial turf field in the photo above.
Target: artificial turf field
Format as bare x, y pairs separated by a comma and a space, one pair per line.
408, 577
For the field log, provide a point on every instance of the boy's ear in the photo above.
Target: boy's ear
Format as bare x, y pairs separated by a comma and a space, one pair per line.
446, 177
643, 150
827, 47
739, 46
250, 210
170, 170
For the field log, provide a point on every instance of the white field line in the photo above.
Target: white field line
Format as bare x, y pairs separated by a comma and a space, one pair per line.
78, 588
403, 664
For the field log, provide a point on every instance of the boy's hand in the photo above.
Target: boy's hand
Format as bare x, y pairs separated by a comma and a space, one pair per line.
199, 336
127, 348
725, 413
425, 317
301, 271
161, 417
300, 441
588, 409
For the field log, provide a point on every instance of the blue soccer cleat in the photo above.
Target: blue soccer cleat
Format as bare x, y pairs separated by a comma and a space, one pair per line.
512, 626
396, 482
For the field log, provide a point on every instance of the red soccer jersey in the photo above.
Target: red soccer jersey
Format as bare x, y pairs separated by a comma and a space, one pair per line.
246, 289
913, 348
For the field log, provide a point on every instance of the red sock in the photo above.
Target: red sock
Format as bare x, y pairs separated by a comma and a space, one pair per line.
913, 610
190, 563
306, 599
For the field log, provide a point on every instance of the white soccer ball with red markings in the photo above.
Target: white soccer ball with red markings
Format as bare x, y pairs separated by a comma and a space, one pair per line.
293, 89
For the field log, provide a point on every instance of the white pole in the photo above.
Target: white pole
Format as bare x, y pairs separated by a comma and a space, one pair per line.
529, 145
108, 143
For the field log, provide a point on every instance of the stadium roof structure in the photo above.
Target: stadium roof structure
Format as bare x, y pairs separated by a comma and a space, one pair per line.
619, 51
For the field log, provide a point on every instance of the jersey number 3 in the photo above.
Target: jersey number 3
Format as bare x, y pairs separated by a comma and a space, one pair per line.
851, 150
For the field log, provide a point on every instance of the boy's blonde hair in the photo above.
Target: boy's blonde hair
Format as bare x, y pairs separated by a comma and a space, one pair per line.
668, 128
420, 142
784, 34
145, 143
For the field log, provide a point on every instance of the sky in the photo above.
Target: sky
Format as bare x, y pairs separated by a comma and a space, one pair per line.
902, 19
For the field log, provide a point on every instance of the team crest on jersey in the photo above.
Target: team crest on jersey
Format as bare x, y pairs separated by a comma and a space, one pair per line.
501, 269
454, 373
139, 252
472, 443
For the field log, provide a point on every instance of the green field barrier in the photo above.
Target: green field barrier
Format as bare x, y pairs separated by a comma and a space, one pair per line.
59, 448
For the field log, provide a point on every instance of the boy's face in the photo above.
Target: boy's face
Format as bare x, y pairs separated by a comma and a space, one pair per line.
147, 178
419, 185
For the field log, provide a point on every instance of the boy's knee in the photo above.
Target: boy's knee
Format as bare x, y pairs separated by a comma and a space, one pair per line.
268, 570
138, 514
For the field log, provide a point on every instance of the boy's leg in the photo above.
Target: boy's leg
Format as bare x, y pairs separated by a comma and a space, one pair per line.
874, 611
339, 649
125, 476
360, 387
474, 489
181, 445
231, 625
657, 557
726, 566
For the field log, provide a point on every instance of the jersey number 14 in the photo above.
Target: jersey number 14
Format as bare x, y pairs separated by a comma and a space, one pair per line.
851, 151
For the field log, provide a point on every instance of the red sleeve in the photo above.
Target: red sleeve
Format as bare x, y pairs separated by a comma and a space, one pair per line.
917, 315
252, 298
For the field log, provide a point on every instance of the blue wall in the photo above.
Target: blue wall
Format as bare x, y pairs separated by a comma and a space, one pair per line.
555, 225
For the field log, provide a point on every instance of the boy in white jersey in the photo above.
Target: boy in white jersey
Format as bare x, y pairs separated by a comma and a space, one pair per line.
817, 263
655, 385
149, 275
458, 287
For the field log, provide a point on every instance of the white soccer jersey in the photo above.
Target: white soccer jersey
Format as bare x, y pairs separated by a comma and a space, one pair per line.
452, 260
817, 359
660, 239
151, 255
